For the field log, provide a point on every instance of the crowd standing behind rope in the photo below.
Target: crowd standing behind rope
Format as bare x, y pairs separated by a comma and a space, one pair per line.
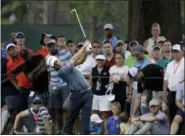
115, 88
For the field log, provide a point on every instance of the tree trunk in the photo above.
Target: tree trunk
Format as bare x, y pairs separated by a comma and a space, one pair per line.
142, 13
45, 12
134, 19
152, 13
93, 27
172, 21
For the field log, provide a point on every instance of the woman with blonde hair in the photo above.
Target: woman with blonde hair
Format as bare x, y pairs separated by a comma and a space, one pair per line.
152, 41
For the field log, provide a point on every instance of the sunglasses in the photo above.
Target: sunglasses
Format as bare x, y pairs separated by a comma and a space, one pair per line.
20, 36
96, 46
37, 103
118, 58
99, 60
133, 44
153, 106
70, 45
167, 45
80, 46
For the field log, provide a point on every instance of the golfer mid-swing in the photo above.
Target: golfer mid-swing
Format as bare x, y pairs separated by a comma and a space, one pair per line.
81, 94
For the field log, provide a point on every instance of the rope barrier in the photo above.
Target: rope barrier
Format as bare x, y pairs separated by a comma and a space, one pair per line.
102, 77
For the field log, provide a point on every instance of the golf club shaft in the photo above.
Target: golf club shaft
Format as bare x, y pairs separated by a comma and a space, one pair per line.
80, 24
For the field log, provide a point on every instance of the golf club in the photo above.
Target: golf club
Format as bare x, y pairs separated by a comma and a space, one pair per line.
88, 49
74, 10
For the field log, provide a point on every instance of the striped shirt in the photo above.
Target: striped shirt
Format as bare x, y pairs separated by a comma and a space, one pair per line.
55, 81
39, 118
3, 53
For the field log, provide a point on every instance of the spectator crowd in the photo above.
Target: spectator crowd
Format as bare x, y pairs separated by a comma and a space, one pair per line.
136, 89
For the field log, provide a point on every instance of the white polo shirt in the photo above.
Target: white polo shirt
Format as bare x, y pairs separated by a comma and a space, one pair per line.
86, 67
174, 72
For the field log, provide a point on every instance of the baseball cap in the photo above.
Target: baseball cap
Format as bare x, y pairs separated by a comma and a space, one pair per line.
96, 118
176, 47
154, 102
100, 57
119, 41
47, 34
108, 26
37, 99
80, 43
133, 42
19, 33
133, 71
10, 45
52, 41
138, 49
156, 47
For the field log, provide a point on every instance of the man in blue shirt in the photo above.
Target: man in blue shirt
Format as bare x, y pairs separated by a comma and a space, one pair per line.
140, 63
109, 35
81, 94
155, 123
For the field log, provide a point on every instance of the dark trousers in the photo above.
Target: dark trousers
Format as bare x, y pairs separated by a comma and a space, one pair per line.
79, 101
24, 93
120, 94
172, 105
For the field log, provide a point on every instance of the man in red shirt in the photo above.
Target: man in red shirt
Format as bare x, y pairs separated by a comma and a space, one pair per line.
35, 71
109, 55
16, 76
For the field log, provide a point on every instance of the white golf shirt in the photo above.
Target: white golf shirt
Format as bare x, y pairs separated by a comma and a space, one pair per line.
86, 67
174, 72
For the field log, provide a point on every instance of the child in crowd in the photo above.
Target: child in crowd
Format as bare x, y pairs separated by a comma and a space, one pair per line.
96, 127
125, 122
113, 123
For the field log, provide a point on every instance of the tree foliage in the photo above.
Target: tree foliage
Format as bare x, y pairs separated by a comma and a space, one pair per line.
93, 14
17, 7
98, 13
143, 13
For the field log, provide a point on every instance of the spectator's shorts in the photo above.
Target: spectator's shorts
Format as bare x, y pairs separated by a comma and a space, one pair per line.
12, 101
180, 113
58, 96
101, 103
